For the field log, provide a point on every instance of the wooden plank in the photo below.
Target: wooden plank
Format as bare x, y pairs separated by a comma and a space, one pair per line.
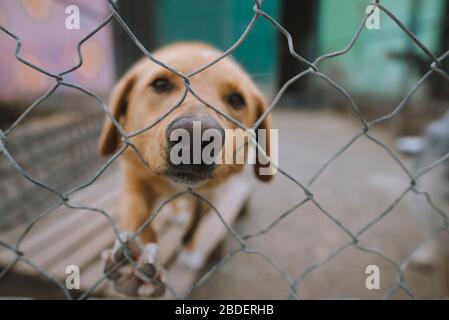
59, 237
91, 275
68, 224
79, 237
103, 239
85, 196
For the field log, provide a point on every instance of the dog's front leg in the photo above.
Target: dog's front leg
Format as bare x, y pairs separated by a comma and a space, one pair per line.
189, 256
136, 205
134, 268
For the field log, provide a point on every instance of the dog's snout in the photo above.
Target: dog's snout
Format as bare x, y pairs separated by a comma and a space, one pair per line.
196, 127
192, 133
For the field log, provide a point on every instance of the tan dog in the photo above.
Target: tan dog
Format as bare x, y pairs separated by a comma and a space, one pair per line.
141, 97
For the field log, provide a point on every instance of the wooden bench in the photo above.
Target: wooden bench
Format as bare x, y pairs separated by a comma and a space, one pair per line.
77, 237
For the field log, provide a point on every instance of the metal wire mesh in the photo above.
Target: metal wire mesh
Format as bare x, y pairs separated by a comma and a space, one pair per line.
294, 283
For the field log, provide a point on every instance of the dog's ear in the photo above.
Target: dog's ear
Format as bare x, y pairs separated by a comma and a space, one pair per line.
263, 141
118, 103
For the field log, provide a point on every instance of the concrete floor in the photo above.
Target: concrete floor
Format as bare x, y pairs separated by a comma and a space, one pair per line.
355, 188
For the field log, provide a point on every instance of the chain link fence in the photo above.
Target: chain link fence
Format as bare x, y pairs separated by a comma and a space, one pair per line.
294, 283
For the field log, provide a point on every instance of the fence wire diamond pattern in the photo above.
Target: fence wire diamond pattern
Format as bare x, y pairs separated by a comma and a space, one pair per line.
294, 283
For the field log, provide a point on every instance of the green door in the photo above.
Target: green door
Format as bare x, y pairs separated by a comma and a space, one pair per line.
220, 23
377, 64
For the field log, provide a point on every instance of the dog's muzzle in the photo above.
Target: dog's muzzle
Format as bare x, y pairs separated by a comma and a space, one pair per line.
193, 140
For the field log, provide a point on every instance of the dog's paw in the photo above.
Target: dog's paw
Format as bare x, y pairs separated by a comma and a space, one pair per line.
426, 258
136, 273
192, 259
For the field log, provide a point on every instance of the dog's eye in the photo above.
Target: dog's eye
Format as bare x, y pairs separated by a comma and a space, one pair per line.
162, 85
236, 100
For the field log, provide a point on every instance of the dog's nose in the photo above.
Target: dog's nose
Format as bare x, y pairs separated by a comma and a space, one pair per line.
195, 125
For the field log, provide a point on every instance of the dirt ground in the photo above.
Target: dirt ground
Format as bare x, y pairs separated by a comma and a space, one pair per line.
355, 189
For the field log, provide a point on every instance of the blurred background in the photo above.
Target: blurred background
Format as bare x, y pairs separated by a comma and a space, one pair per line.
56, 142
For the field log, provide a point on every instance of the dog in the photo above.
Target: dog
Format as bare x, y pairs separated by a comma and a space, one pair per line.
144, 97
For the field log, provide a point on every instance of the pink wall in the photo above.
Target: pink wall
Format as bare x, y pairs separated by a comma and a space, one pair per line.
40, 24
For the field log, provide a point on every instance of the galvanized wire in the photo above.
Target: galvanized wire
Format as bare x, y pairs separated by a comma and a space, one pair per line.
294, 283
